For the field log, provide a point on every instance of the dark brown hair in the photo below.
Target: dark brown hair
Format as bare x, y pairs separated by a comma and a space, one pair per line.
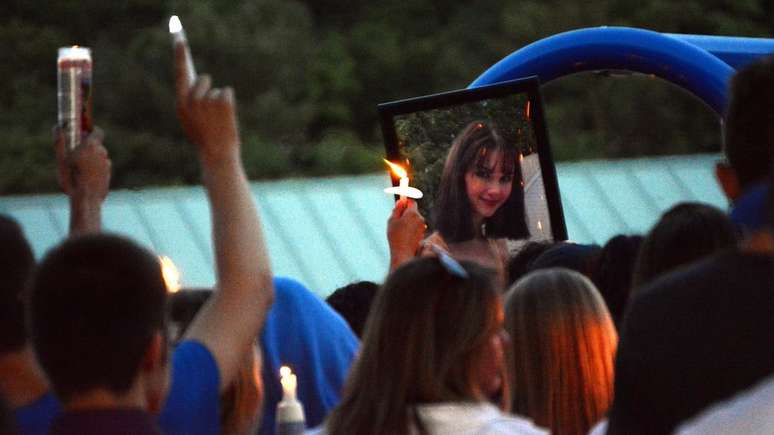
452, 213
685, 233
96, 303
749, 122
423, 342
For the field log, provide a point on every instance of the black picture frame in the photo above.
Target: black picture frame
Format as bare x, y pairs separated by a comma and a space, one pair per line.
478, 99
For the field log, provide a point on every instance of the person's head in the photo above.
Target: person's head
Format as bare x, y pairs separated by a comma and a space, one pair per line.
434, 335
242, 400
579, 257
519, 263
481, 183
615, 268
685, 233
353, 302
16, 263
97, 319
563, 346
748, 129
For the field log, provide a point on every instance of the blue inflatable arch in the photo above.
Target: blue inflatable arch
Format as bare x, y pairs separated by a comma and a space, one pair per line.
700, 64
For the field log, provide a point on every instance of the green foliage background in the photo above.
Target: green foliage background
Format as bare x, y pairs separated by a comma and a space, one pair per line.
308, 76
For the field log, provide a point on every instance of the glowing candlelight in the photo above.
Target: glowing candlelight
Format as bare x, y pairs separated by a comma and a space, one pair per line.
170, 273
403, 189
289, 383
290, 418
178, 37
528, 110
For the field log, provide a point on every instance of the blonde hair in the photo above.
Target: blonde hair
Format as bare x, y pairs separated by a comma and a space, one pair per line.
563, 347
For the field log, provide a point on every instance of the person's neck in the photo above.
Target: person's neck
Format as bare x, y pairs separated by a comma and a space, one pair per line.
478, 221
102, 398
21, 380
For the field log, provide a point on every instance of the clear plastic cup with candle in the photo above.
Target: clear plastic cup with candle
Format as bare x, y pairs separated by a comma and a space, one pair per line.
74, 88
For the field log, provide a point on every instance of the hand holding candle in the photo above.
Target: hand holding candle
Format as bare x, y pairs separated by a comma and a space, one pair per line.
403, 189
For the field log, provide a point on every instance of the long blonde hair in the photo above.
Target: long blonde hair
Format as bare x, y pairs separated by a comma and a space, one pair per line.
564, 343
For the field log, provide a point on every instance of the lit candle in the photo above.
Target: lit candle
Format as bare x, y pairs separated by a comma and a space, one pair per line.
290, 418
403, 189
289, 383
170, 273
178, 37
74, 94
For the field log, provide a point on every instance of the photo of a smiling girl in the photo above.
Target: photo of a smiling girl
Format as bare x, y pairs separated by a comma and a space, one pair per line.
480, 200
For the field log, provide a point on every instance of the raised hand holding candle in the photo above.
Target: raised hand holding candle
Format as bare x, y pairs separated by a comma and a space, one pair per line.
403, 189
178, 37
290, 418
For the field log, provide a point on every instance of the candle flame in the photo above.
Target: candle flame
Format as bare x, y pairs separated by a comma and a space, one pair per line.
528, 109
170, 273
396, 169
285, 371
175, 25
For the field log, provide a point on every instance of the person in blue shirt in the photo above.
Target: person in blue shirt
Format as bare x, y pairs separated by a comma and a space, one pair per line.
210, 355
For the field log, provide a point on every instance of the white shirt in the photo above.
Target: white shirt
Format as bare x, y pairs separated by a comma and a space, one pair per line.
751, 412
455, 418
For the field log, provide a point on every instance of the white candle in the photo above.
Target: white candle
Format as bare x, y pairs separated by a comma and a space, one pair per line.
289, 383
178, 37
403, 189
290, 418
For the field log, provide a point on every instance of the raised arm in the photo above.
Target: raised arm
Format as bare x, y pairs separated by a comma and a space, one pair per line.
84, 175
229, 323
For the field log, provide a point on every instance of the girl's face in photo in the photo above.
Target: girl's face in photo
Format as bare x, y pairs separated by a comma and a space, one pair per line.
489, 184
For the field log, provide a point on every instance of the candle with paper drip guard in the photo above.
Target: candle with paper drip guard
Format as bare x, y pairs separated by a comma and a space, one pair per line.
290, 414
403, 189
178, 36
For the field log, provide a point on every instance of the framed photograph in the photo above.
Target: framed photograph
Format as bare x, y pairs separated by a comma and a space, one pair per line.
483, 160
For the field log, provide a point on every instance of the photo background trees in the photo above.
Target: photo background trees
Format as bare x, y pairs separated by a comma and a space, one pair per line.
308, 76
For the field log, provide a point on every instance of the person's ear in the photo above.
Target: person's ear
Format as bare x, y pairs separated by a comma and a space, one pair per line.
154, 354
154, 371
728, 180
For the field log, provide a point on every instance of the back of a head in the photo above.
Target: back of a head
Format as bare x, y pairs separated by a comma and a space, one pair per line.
426, 332
685, 233
353, 302
563, 346
16, 263
521, 262
579, 257
615, 268
749, 122
95, 305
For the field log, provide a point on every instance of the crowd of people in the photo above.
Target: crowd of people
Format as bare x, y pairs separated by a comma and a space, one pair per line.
661, 333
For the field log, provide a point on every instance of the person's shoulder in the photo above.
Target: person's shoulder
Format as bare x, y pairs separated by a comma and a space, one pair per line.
511, 424
748, 412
